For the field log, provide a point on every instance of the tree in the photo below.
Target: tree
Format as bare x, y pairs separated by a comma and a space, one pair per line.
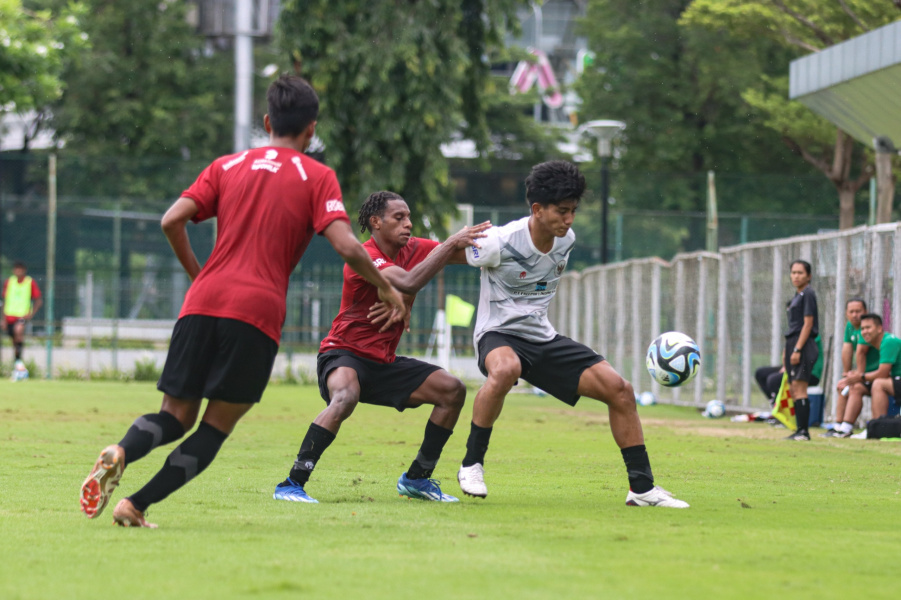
34, 48
396, 80
145, 97
801, 26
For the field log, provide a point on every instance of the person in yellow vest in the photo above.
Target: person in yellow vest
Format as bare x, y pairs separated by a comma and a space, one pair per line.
21, 299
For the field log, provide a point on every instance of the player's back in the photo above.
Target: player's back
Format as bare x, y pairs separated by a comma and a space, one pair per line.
269, 202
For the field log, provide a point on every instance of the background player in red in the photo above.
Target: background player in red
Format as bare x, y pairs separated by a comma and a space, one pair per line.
21, 299
269, 202
357, 361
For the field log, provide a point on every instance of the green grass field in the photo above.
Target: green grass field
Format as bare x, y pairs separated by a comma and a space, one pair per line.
769, 518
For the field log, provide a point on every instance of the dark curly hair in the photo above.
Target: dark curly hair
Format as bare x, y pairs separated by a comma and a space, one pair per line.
553, 182
375, 207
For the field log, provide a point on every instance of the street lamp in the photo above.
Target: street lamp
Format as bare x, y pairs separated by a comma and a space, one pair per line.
605, 131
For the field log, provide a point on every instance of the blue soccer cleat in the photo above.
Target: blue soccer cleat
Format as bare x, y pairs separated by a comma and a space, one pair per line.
422, 489
292, 491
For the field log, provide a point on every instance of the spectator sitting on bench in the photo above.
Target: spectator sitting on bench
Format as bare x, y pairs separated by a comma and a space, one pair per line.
854, 352
878, 383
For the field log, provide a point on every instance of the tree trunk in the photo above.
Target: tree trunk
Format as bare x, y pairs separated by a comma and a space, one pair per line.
885, 186
846, 195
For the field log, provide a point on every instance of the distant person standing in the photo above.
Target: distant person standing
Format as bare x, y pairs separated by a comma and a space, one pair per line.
269, 202
801, 351
21, 299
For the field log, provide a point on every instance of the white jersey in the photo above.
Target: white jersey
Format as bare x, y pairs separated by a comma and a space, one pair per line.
518, 281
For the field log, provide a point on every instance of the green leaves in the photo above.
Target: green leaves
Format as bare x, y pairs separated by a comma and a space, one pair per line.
396, 80
34, 46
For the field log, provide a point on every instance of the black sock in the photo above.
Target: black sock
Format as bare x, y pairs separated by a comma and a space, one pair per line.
638, 468
476, 445
148, 432
18, 348
802, 413
433, 443
314, 444
186, 462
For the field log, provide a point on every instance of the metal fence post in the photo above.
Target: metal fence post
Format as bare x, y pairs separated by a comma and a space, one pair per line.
721, 330
776, 308
747, 342
51, 261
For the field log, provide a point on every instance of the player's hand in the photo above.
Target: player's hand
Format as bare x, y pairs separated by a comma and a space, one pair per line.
468, 235
379, 311
395, 302
795, 358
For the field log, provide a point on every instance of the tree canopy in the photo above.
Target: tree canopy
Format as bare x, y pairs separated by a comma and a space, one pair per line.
396, 80
34, 45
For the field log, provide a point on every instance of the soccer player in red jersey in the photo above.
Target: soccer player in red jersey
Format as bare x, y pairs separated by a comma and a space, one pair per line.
357, 361
269, 202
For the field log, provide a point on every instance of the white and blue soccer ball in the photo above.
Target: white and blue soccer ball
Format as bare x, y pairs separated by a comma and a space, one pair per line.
20, 373
673, 359
714, 410
646, 399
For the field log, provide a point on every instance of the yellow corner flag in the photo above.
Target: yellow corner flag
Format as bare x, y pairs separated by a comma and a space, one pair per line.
784, 408
459, 312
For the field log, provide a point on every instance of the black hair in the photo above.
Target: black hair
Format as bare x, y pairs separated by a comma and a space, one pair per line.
856, 299
18, 264
375, 207
293, 105
872, 317
803, 263
553, 182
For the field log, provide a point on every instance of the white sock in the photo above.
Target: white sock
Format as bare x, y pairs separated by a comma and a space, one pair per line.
846, 427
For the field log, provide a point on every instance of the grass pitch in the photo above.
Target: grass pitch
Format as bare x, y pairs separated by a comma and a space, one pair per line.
769, 518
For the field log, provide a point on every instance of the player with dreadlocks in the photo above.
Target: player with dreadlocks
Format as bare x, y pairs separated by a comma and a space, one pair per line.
357, 361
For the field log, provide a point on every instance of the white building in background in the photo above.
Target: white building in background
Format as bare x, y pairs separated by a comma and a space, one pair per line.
18, 131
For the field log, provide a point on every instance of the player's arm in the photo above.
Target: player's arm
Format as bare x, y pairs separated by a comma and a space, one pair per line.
36, 304
861, 357
884, 370
847, 351
174, 224
341, 237
410, 282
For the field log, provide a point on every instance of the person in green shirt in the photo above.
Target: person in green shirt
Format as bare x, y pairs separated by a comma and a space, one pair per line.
854, 351
878, 380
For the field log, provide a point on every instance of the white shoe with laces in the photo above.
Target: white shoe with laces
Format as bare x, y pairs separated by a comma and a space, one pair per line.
656, 496
472, 480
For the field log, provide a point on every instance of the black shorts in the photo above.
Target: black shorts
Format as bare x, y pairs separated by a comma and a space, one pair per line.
809, 355
11, 326
382, 384
217, 358
896, 385
554, 366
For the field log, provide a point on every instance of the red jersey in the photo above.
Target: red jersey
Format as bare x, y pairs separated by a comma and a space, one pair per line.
269, 202
351, 329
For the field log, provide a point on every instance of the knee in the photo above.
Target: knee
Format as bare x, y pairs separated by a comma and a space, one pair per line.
505, 374
343, 402
621, 394
457, 394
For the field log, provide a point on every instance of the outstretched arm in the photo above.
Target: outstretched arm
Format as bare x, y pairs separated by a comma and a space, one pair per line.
410, 282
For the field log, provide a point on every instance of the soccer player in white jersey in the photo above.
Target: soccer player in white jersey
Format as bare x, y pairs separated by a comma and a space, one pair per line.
521, 265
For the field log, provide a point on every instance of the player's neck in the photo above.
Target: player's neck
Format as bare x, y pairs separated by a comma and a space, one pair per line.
542, 240
299, 143
389, 250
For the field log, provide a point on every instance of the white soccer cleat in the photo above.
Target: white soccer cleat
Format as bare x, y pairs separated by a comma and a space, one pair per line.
472, 481
656, 496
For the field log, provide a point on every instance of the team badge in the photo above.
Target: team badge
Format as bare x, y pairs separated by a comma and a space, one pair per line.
560, 266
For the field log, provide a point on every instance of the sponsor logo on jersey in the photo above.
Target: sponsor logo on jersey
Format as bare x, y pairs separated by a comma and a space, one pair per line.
235, 161
522, 275
334, 206
379, 262
296, 161
541, 286
560, 266
267, 163
475, 252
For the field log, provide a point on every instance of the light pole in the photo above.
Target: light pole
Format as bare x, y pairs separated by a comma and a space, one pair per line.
605, 131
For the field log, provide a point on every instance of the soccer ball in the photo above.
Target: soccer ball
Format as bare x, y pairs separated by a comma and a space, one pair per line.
673, 359
20, 373
715, 409
646, 399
